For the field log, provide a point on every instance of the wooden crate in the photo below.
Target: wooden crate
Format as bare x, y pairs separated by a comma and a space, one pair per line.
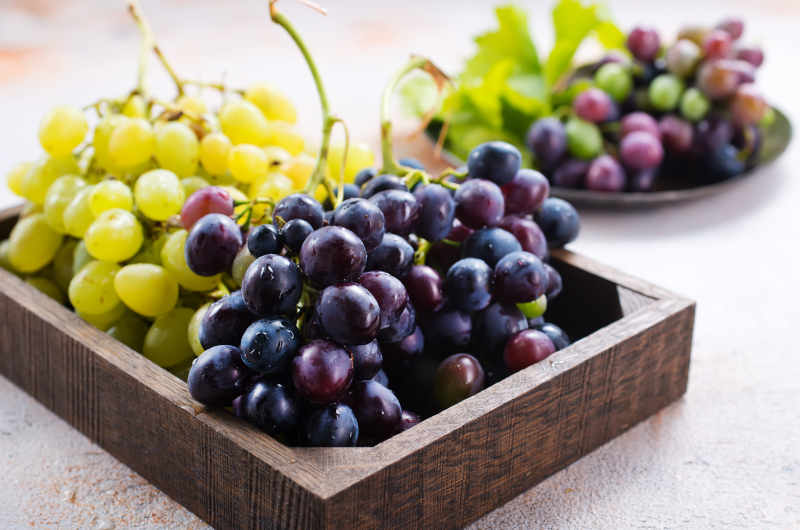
631, 359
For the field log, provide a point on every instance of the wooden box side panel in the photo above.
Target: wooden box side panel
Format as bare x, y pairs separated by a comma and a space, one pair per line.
487, 462
199, 466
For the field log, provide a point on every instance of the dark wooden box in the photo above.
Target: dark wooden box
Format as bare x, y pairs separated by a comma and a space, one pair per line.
631, 359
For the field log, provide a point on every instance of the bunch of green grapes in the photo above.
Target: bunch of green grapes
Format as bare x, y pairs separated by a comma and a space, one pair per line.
102, 230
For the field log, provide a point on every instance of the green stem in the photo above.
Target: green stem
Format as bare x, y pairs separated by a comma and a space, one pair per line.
422, 252
387, 152
328, 120
146, 46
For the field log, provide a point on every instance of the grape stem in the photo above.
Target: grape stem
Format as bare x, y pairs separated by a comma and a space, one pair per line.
422, 252
328, 120
147, 44
416, 62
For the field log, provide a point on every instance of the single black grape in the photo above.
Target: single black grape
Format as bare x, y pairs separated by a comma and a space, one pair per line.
495, 161
443, 254
363, 218
267, 345
528, 233
332, 426
272, 285
298, 206
526, 192
468, 283
547, 139
377, 408
493, 326
272, 407
559, 221
479, 203
294, 233
520, 277
489, 245
382, 183
225, 321
437, 211
389, 292
212, 244
218, 375
400, 210
367, 359
554, 282
394, 255
263, 240
570, 174
332, 254
425, 287
349, 313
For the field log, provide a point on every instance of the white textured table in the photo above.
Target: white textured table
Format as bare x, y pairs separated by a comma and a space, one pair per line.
727, 455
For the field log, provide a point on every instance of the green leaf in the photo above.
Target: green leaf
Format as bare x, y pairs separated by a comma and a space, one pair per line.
511, 40
572, 22
418, 95
610, 36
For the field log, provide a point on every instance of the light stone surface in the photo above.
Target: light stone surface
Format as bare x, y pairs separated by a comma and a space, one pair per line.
726, 455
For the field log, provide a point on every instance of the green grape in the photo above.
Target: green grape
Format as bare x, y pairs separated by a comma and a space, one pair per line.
238, 195
15, 179
91, 291
243, 123
80, 257
283, 135
192, 104
177, 148
534, 309
247, 162
43, 173
159, 194
147, 289
214, 153
102, 136
299, 170
62, 130
166, 342
116, 235
150, 251
277, 157
135, 107
242, 260
48, 287
4, 261
110, 194
272, 102
665, 92
61, 271
359, 156
192, 184
193, 330
103, 321
131, 143
32, 243
694, 104
273, 186
583, 138
174, 260
78, 214
58, 197
130, 330
615, 80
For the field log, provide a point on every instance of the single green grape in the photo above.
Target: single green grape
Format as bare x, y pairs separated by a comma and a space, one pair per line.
58, 197
272, 102
91, 291
694, 104
243, 123
130, 330
62, 130
32, 243
166, 342
78, 214
177, 148
4, 261
665, 92
110, 194
583, 138
43, 173
284, 135
103, 321
242, 260
159, 194
193, 330
192, 184
534, 309
173, 259
214, 150
359, 156
615, 80
277, 157
102, 137
273, 186
132, 142
48, 287
135, 107
61, 271
247, 162
192, 104
147, 289
15, 179
80, 257
116, 235
299, 170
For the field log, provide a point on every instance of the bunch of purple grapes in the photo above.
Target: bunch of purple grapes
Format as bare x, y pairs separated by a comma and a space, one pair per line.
419, 296
690, 107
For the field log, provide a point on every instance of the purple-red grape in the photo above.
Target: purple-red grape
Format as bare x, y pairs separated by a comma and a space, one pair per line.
388, 291
570, 174
479, 203
448, 330
556, 334
717, 44
643, 180
677, 134
400, 328
489, 245
457, 378
751, 55
638, 121
606, 174
733, 26
526, 192
638, 150
527, 347
592, 105
528, 233
204, 201
377, 408
349, 313
406, 349
322, 371
425, 287
644, 43
554, 282
332, 254
400, 210
394, 255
